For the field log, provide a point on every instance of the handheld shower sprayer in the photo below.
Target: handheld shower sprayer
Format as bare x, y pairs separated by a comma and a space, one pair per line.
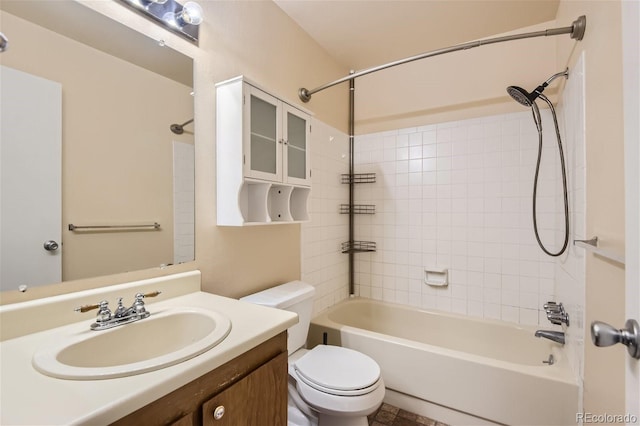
529, 100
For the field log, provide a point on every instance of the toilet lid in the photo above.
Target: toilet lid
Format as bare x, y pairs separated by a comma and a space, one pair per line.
334, 368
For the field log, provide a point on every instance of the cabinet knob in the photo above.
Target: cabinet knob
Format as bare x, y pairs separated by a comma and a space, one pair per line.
218, 412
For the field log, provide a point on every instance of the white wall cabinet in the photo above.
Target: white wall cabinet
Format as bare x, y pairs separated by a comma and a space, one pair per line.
263, 157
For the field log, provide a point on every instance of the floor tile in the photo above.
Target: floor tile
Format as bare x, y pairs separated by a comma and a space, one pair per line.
388, 415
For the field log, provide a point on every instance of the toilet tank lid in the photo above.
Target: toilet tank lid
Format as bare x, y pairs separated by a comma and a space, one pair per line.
282, 296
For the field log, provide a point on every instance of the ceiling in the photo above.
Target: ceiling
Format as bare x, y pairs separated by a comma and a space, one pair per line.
364, 33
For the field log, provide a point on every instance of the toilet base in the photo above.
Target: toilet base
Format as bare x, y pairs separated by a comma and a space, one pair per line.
328, 420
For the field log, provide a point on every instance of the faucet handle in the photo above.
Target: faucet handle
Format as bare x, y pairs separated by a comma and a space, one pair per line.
140, 296
553, 307
138, 304
558, 318
86, 308
104, 313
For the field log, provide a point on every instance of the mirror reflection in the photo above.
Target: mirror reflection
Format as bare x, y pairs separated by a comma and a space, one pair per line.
86, 140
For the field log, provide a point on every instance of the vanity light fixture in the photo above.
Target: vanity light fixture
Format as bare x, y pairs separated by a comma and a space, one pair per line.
181, 19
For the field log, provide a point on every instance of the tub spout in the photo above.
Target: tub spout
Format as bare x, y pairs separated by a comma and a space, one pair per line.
556, 336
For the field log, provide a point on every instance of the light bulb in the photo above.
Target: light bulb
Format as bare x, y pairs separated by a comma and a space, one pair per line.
191, 13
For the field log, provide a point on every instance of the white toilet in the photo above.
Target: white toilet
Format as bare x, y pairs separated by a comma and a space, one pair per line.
328, 385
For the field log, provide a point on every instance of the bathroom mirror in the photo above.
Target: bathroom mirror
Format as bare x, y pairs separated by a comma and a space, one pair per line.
118, 168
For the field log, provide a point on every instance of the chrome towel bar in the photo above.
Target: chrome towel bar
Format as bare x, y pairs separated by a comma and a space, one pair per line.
592, 246
154, 225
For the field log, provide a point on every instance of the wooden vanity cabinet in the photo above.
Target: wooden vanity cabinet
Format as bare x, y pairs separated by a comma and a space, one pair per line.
252, 389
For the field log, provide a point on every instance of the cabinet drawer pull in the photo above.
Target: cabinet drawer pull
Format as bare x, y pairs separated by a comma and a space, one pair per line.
218, 412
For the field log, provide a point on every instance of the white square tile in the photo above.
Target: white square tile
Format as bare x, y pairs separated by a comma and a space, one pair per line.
465, 202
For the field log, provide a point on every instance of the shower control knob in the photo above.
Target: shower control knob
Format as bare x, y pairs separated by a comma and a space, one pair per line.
50, 245
602, 334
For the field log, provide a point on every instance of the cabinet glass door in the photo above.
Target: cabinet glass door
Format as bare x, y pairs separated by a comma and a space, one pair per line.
264, 160
296, 137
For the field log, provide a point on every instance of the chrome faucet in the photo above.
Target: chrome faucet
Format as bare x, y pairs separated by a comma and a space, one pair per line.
106, 319
556, 313
555, 336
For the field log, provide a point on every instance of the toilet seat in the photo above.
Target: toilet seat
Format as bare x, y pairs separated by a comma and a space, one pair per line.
338, 371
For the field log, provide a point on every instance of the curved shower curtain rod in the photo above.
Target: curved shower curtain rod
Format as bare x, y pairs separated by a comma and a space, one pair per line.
576, 30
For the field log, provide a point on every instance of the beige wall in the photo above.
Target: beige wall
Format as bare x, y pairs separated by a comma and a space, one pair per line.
258, 40
604, 367
455, 86
116, 150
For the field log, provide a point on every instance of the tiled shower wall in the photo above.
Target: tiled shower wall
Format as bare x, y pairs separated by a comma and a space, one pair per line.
323, 265
457, 196
570, 268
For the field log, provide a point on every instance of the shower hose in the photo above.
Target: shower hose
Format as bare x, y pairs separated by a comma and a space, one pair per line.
538, 120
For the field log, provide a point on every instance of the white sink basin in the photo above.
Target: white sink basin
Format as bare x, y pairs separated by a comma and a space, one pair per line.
164, 339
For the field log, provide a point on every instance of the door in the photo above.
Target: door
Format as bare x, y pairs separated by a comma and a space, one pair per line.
263, 137
631, 105
296, 131
258, 399
30, 180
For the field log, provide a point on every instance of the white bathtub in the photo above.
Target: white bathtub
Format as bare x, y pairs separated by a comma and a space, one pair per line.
489, 370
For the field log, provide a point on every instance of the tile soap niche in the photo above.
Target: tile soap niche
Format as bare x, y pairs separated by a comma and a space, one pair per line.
435, 277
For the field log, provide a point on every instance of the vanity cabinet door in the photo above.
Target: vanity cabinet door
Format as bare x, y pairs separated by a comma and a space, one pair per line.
258, 399
187, 420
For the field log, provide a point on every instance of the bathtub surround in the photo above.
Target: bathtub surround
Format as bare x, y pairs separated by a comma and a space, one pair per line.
457, 195
570, 268
323, 265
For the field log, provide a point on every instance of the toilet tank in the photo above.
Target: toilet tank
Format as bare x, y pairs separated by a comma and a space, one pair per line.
294, 296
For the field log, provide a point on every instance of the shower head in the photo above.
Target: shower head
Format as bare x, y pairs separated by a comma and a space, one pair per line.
178, 129
527, 99
520, 95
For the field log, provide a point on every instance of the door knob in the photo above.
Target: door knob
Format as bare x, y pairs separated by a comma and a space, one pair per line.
602, 334
50, 245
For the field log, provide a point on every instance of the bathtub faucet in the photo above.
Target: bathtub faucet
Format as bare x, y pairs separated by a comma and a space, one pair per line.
556, 336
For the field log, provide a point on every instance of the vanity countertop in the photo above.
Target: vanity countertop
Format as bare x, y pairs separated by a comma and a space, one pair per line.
28, 397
